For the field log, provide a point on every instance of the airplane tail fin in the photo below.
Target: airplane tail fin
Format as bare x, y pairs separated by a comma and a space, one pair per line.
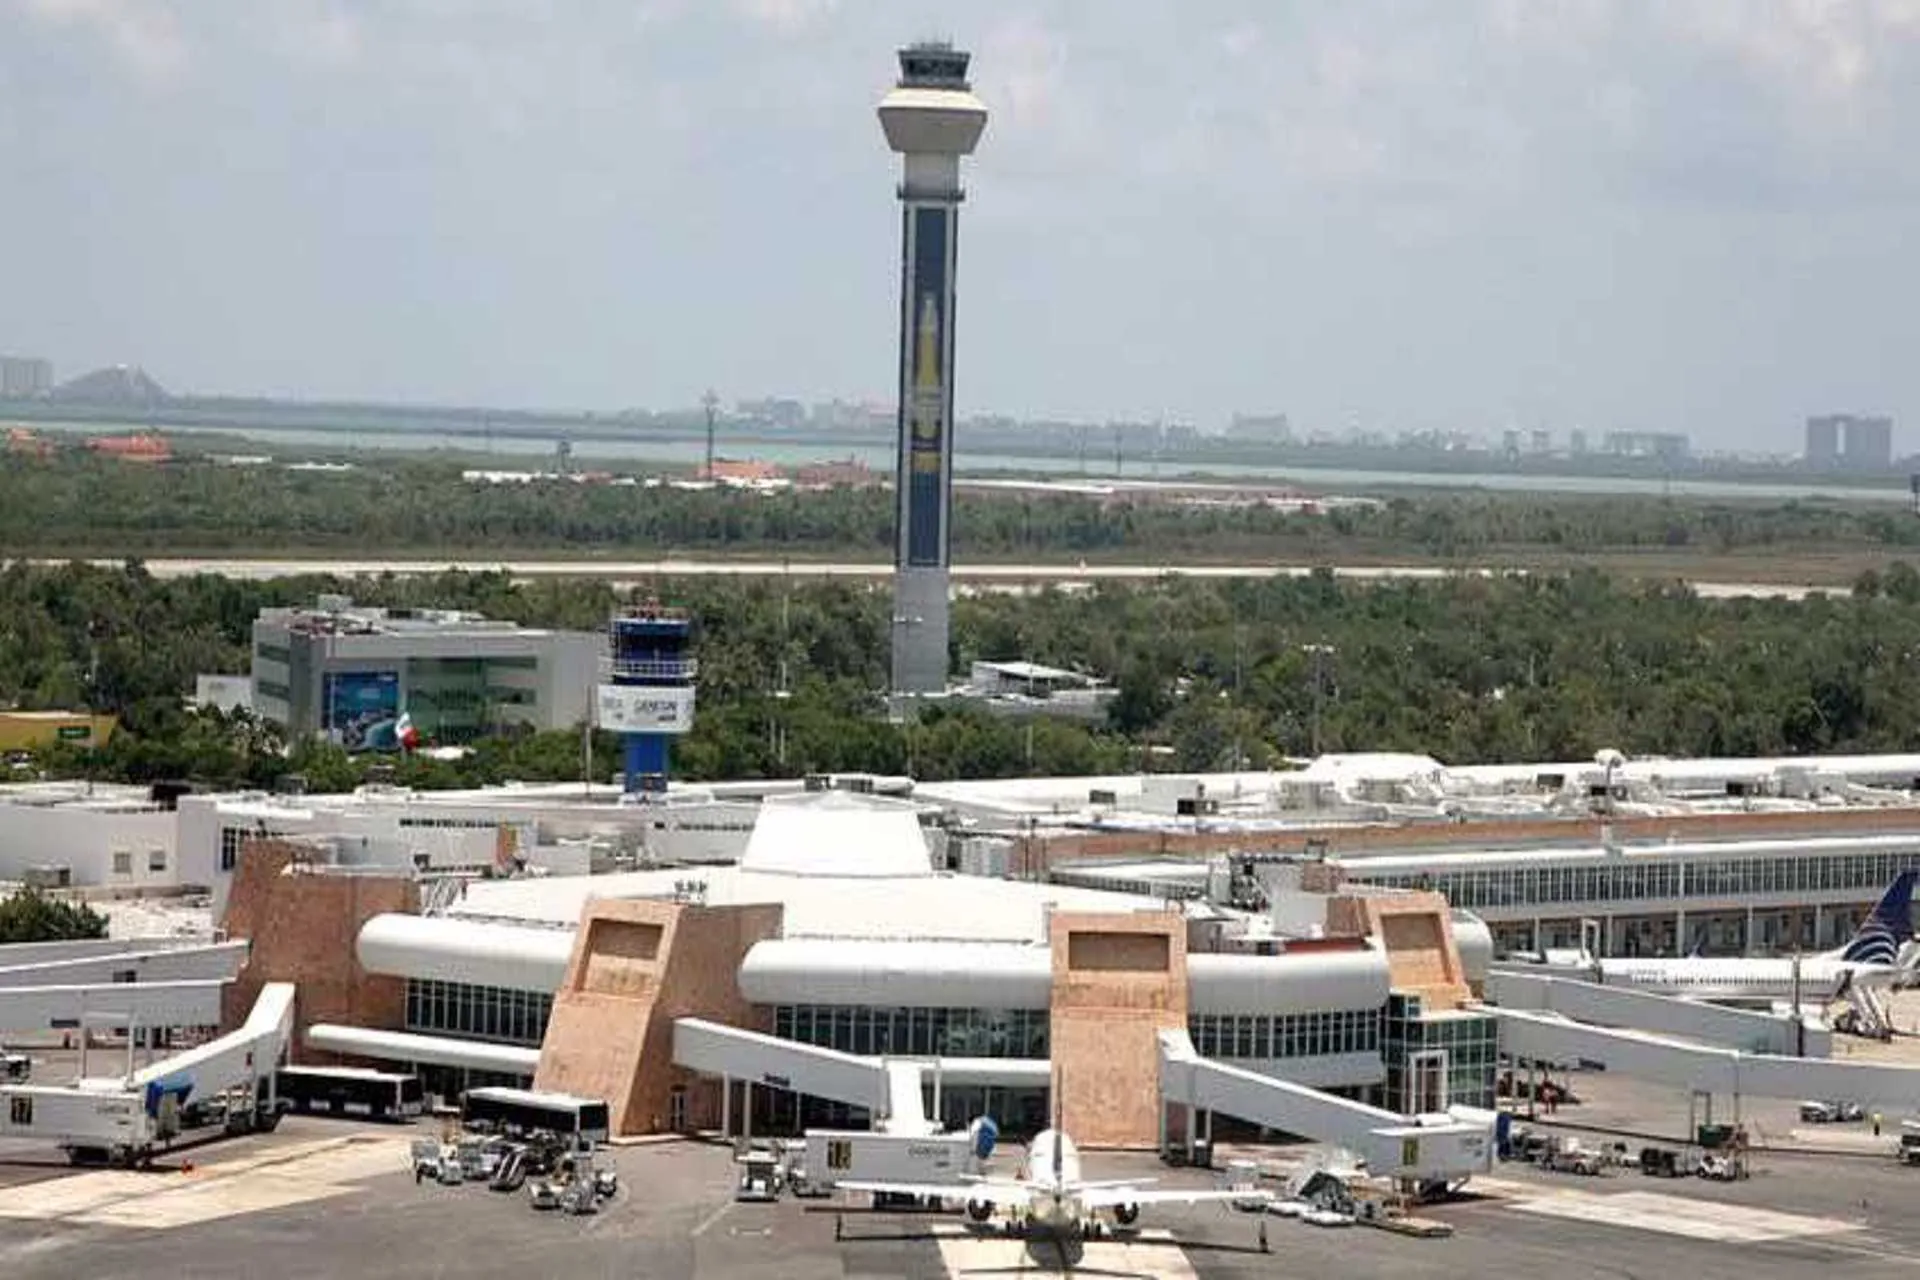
1887, 928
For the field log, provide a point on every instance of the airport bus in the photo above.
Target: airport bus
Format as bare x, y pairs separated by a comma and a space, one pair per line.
378, 1095
520, 1112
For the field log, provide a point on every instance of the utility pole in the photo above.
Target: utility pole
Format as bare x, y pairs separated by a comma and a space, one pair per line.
710, 402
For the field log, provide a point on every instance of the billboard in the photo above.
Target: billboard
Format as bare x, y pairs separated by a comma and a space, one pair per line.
628, 708
925, 407
360, 710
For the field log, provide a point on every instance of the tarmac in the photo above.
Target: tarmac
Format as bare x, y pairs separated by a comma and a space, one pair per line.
336, 1198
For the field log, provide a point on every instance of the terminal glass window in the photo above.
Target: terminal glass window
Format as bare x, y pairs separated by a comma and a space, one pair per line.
1299, 1035
505, 1014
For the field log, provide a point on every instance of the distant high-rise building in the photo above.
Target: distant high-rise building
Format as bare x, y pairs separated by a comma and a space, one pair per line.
25, 377
1853, 441
1823, 441
1577, 441
1541, 441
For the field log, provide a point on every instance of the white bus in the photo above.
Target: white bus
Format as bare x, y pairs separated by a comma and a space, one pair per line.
520, 1112
378, 1095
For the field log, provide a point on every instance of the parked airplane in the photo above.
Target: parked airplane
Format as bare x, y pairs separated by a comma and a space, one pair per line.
1878, 955
1050, 1197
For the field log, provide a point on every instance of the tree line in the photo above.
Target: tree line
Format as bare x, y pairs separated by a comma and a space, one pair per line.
76, 504
1210, 673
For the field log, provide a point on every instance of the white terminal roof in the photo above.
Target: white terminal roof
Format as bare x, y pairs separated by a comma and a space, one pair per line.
843, 866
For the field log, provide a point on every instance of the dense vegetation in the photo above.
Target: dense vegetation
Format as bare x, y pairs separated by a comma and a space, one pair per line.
30, 916
1468, 669
74, 504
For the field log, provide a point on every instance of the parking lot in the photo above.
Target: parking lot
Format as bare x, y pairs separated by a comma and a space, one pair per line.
327, 1198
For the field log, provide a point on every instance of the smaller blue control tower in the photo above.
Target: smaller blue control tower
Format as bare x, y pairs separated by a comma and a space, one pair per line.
650, 701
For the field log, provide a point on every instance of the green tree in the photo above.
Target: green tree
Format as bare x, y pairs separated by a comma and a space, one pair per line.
31, 916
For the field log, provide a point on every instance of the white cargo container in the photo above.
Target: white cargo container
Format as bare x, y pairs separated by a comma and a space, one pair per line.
837, 1155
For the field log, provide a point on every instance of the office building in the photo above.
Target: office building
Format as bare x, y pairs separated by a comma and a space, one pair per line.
350, 673
25, 377
1850, 441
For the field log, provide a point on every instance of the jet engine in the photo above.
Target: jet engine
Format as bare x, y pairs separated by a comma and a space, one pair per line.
980, 1210
1126, 1214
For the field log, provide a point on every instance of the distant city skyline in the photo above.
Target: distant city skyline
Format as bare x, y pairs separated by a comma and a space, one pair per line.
1405, 216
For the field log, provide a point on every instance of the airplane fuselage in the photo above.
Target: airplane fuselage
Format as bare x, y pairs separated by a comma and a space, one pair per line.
1731, 978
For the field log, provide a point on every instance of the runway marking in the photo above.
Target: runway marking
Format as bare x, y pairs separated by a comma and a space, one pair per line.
1153, 1255
712, 1218
1676, 1215
275, 1179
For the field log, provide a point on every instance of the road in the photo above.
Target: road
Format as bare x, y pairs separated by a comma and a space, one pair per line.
981, 576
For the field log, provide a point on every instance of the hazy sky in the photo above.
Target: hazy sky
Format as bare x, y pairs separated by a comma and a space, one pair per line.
1697, 214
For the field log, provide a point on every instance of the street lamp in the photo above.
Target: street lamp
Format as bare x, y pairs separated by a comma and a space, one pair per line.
1319, 652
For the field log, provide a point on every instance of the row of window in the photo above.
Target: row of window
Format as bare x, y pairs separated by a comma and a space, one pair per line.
478, 1013
951, 1033
274, 653
274, 689
1298, 1035
1531, 886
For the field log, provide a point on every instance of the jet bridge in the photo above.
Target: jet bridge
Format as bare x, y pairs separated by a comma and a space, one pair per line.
1547, 1037
127, 1119
1441, 1147
135, 1004
1747, 1030
221, 961
892, 1089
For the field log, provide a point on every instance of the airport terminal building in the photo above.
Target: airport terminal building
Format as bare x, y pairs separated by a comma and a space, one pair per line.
835, 930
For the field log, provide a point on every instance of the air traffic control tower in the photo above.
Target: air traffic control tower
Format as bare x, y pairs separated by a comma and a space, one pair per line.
932, 119
650, 700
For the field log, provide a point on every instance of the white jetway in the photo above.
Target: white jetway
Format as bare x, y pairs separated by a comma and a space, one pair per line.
15, 954
1546, 1037
220, 961
433, 1051
1417, 1148
125, 1120
892, 1089
1747, 1030
139, 1004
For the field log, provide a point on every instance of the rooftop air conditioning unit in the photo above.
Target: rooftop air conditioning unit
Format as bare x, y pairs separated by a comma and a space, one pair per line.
818, 782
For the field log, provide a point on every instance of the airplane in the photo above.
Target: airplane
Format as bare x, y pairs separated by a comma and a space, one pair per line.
1050, 1197
1879, 954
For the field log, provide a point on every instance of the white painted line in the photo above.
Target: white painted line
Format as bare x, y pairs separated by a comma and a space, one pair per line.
712, 1218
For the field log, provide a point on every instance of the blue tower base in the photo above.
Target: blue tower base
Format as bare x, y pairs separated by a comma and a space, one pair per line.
647, 756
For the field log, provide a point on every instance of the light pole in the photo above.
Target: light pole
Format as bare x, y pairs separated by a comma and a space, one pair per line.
1319, 652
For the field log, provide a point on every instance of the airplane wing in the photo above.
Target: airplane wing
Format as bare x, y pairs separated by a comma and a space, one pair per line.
1112, 1194
1000, 1194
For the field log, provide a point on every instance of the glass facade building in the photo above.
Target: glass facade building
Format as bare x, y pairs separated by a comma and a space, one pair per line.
1635, 882
1436, 1060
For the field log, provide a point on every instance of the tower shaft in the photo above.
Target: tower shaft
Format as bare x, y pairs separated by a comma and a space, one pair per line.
932, 119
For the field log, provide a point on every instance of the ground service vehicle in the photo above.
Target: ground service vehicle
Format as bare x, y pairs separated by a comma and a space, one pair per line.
377, 1095
522, 1112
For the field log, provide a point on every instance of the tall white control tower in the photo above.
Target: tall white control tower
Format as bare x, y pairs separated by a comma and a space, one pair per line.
932, 119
